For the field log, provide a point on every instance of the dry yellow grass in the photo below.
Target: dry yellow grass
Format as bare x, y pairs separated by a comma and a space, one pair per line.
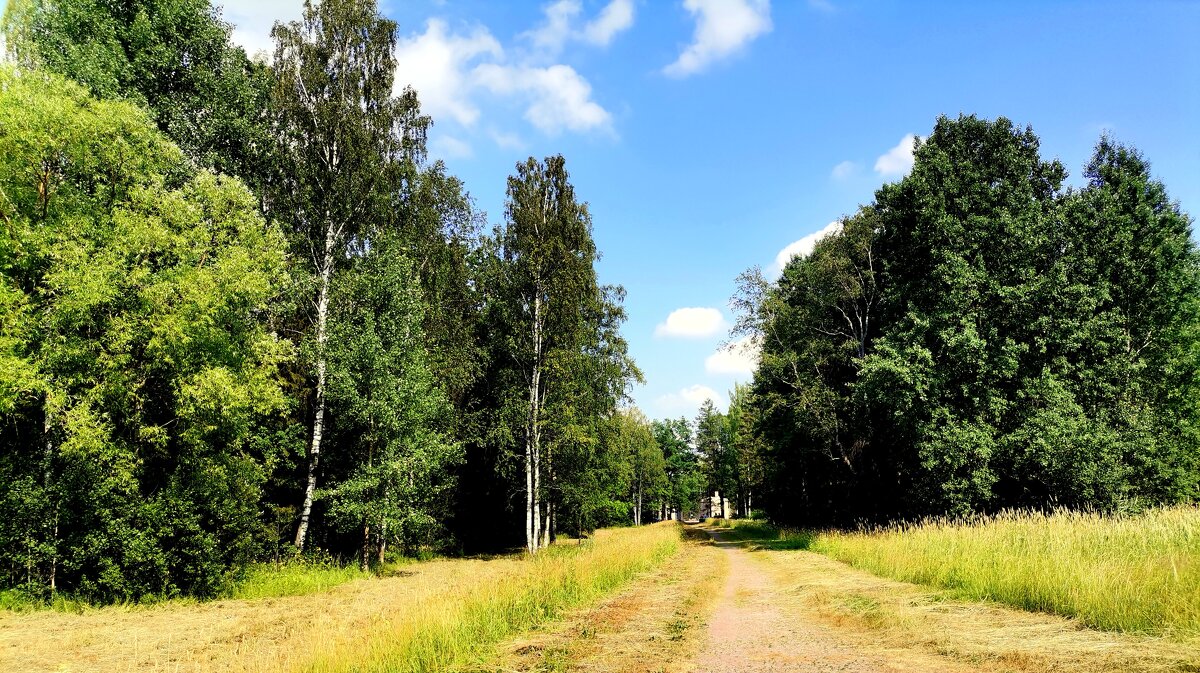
655, 624
370, 624
883, 614
1133, 573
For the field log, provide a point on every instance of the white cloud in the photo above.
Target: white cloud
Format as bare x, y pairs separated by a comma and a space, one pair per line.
559, 26
557, 98
252, 22
556, 30
449, 71
435, 64
448, 147
898, 160
689, 399
822, 6
616, 17
507, 141
804, 246
692, 323
722, 28
844, 170
739, 357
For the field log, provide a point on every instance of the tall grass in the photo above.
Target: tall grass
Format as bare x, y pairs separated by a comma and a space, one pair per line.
1131, 573
450, 627
294, 578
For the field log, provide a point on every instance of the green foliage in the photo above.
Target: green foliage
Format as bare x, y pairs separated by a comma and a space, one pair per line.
383, 394
685, 483
981, 338
173, 57
146, 369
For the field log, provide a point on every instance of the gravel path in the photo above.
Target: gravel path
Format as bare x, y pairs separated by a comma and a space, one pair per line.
751, 630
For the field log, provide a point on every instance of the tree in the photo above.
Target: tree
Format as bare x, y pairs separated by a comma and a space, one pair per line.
634, 440
684, 481
980, 338
713, 447
133, 435
744, 448
173, 57
556, 334
345, 144
387, 399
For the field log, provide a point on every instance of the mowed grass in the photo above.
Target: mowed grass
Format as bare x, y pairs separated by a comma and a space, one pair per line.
448, 629
1138, 573
435, 615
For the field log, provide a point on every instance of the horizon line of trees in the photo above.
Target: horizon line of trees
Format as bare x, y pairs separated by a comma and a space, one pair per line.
244, 317
981, 337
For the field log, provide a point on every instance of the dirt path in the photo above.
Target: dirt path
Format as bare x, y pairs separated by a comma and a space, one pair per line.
653, 625
754, 630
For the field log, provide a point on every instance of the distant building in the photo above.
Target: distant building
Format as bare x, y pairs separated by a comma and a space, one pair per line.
714, 506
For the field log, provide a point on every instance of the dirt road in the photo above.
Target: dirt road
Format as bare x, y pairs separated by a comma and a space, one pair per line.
752, 630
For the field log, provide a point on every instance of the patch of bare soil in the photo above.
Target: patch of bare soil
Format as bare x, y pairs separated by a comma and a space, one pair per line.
758, 628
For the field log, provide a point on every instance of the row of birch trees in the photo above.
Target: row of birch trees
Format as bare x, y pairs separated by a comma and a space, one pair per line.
245, 317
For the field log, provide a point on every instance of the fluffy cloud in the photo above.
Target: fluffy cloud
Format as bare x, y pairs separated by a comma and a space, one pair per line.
804, 246
559, 26
507, 141
692, 323
556, 98
739, 358
448, 147
616, 17
898, 160
844, 170
449, 70
435, 64
722, 28
688, 400
252, 22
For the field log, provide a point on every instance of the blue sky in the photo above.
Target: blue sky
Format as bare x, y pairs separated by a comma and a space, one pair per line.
710, 135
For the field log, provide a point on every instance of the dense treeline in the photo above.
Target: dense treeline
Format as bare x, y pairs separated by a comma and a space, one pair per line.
244, 316
980, 337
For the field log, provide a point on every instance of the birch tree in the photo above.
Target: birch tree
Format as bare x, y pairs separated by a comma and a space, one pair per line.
345, 143
547, 255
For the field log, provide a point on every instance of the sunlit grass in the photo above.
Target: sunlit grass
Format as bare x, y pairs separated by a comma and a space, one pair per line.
1132, 573
294, 578
453, 625
1138, 573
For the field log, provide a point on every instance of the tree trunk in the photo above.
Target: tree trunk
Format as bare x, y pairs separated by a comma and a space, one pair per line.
533, 481
366, 544
637, 511
382, 541
547, 501
314, 451
46, 479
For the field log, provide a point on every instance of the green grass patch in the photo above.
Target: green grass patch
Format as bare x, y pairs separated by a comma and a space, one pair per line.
294, 578
455, 627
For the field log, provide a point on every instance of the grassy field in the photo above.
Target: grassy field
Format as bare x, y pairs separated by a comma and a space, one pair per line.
435, 615
1137, 574
450, 629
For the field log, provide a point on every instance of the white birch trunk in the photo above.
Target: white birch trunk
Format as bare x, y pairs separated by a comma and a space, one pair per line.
314, 453
533, 478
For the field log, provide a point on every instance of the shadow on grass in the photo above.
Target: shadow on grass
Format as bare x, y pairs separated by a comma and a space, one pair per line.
762, 536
